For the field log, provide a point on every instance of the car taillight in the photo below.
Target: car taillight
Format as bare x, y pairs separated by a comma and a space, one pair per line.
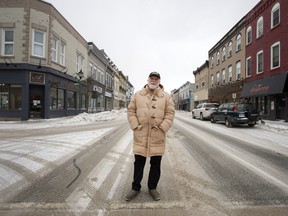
206, 109
235, 107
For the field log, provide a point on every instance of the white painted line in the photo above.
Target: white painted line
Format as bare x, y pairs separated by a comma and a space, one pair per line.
9, 176
86, 190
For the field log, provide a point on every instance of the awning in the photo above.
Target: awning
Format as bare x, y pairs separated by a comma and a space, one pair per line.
266, 86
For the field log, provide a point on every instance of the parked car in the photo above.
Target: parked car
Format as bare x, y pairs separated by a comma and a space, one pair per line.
235, 113
204, 110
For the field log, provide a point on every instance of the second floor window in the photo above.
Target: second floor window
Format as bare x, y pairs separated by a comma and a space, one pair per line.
223, 76
248, 66
38, 43
62, 54
230, 73
54, 49
79, 63
7, 42
260, 62
238, 70
275, 55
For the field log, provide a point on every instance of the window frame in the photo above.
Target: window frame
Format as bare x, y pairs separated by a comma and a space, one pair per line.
223, 76
257, 64
218, 58
260, 27
238, 70
38, 44
249, 35
230, 73
54, 50
238, 42
4, 43
230, 47
275, 8
272, 55
248, 66
62, 53
224, 53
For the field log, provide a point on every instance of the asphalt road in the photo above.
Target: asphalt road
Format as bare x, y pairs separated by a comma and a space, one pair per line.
208, 169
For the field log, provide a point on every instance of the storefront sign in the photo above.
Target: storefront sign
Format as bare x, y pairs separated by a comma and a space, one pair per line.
108, 94
97, 88
37, 78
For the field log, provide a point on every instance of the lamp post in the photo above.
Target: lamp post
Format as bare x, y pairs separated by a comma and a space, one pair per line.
79, 76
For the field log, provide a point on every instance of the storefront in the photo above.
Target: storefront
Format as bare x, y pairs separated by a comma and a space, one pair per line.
28, 91
269, 95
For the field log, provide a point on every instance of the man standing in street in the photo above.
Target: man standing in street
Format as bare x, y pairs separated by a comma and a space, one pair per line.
150, 115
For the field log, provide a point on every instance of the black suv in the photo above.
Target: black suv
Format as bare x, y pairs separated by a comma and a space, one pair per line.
235, 113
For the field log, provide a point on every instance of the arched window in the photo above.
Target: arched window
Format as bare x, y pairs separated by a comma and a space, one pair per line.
223, 53
212, 62
249, 35
230, 49
218, 57
259, 27
275, 15
238, 42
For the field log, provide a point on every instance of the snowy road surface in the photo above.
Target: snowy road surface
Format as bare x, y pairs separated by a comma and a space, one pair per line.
84, 166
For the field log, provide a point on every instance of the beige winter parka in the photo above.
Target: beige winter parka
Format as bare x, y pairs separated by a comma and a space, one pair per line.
150, 115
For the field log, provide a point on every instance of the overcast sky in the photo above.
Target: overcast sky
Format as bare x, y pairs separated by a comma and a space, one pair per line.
172, 37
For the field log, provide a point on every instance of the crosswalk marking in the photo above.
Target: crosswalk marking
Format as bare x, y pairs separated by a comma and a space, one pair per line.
81, 197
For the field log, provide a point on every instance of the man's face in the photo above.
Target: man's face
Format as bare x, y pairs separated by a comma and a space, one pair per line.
153, 82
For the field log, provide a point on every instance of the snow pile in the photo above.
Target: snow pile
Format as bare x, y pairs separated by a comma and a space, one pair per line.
103, 116
279, 125
83, 118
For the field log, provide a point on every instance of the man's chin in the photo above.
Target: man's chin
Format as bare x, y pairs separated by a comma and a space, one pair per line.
153, 87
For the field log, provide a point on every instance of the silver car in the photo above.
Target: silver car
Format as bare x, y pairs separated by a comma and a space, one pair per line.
204, 110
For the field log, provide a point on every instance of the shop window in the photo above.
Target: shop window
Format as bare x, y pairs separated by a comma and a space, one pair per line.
71, 100
56, 99
10, 97
83, 101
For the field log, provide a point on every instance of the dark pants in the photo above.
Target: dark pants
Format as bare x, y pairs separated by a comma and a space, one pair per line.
154, 173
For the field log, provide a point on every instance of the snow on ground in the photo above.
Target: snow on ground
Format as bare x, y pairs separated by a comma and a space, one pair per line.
83, 118
87, 118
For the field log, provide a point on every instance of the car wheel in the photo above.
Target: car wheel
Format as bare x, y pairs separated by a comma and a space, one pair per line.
212, 120
228, 123
193, 116
251, 125
201, 117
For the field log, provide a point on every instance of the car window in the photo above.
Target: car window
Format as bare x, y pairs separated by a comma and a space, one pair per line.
199, 106
211, 105
231, 107
225, 106
220, 107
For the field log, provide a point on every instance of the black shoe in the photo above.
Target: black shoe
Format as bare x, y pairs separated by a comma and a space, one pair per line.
131, 195
154, 194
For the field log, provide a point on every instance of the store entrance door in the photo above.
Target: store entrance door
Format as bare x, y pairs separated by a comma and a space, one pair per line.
36, 101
